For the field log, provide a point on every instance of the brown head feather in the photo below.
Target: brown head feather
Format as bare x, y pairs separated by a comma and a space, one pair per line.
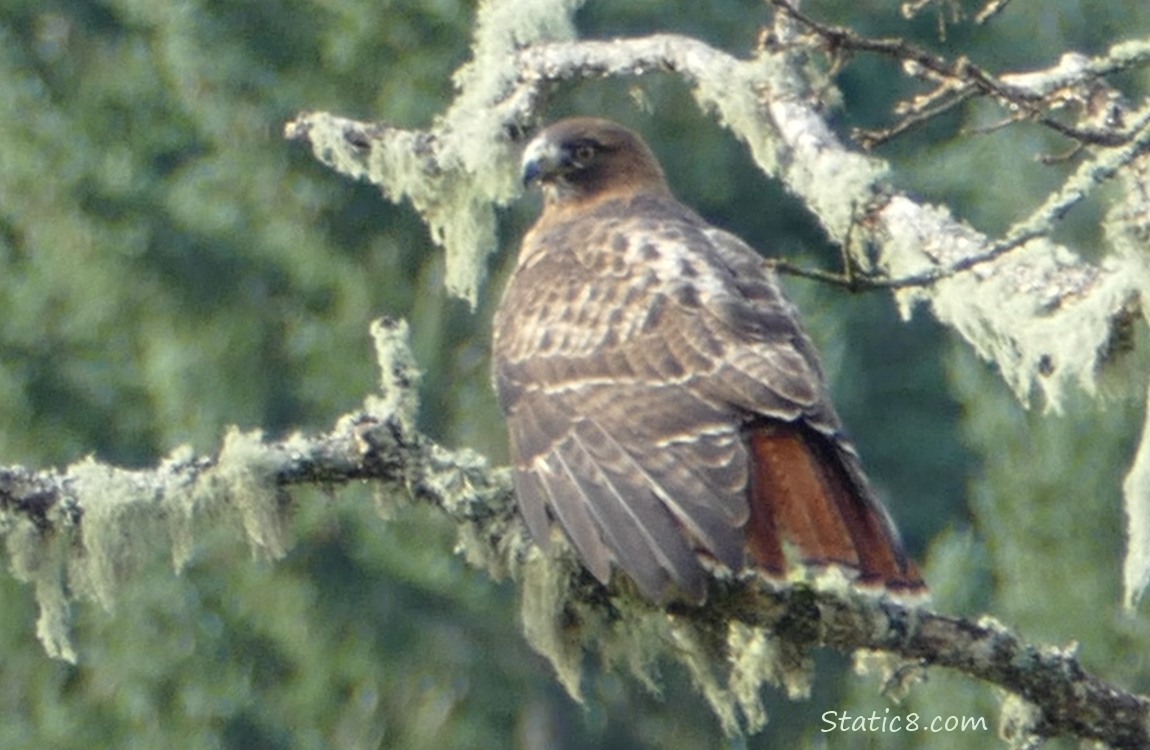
584, 160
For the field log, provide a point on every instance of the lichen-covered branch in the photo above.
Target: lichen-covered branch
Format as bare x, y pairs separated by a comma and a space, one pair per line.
1049, 319
1075, 80
768, 102
74, 532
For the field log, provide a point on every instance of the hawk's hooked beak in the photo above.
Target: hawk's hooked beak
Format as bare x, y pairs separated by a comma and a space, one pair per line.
543, 159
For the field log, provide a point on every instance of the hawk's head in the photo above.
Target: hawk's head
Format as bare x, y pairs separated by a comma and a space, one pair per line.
586, 158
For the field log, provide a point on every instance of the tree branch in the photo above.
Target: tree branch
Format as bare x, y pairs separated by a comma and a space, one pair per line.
1030, 95
1013, 298
770, 108
65, 517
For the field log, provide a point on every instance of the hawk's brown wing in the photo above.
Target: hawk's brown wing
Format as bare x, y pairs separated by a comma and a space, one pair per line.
636, 351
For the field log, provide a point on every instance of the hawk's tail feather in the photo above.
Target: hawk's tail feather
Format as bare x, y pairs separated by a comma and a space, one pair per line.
806, 508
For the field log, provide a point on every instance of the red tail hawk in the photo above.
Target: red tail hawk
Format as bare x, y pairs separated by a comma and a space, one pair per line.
662, 399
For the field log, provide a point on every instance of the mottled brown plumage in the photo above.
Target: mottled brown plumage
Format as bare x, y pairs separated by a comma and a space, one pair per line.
662, 399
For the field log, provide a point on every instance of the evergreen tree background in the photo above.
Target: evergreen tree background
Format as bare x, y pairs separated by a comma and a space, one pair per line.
170, 266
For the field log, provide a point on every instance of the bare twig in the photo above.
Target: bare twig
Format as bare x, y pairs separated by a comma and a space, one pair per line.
871, 139
1030, 95
855, 281
990, 10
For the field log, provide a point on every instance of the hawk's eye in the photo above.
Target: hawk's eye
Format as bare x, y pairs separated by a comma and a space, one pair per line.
584, 152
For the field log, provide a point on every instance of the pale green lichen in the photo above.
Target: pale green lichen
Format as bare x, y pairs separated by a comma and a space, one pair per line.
1033, 345
543, 584
758, 658
456, 477
1039, 314
181, 507
457, 173
733, 92
632, 634
474, 545
897, 673
1136, 494
121, 520
126, 514
55, 612
456, 204
833, 182
1127, 229
396, 402
635, 641
473, 126
1018, 721
753, 661
38, 558
399, 374
245, 471
479, 160
728, 663
1130, 52
703, 653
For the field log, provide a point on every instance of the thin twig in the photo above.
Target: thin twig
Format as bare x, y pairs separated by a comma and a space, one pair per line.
1065, 156
854, 281
991, 9
870, 139
1030, 103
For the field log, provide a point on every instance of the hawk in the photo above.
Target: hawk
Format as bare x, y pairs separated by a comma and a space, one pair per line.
663, 402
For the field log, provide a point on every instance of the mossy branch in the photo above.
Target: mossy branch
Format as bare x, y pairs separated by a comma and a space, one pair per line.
1045, 316
1050, 320
1032, 96
918, 251
72, 533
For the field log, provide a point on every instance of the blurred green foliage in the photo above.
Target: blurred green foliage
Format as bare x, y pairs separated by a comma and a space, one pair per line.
170, 266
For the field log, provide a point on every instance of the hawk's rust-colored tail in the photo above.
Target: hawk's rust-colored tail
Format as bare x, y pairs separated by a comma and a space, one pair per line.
805, 505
